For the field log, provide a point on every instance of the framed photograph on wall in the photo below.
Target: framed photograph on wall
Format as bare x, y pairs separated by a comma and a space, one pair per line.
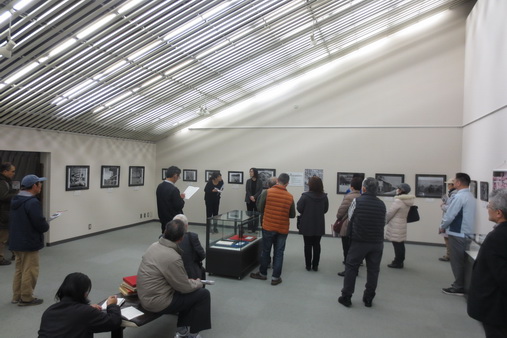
265, 175
136, 176
388, 183
77, 177
473, 188
208, 173
499, 179
189, 175
430, 186
484, 191
235, 177
164, 171
110, 176
343, 181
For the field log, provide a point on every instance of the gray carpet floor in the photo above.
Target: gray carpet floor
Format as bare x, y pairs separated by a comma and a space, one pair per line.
409, 302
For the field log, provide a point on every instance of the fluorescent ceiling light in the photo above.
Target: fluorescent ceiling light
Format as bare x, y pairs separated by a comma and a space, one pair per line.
144, 50
152, 80
128, 6
22, 4
5, 16
21, 72
216, 10
182, 28
62, 47
95, 26
118, 98
109, 70
76, 90
179, 66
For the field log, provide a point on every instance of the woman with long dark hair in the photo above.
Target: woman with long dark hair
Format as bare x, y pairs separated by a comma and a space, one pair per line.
73, 316
312, 206
253, 190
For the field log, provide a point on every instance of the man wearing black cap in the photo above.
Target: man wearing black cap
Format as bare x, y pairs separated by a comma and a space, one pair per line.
27, 228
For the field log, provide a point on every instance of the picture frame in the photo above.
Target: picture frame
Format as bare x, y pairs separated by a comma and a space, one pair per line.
109, 176
235, 177
264, 174
77, 177
388, 183
343, 181
484, 195
164, 171
430, 186
208, 173
189, 175
473, 188
499, 179
136, 176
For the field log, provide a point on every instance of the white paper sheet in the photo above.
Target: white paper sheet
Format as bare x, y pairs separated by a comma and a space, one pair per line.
119, 301
131, 312
190, 191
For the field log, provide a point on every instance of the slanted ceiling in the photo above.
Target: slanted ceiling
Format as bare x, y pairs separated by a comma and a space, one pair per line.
144, 69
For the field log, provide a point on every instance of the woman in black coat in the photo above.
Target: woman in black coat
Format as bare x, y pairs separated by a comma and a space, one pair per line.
312, 206
73, 316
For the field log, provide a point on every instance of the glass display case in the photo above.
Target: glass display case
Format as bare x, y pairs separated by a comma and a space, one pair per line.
233, 243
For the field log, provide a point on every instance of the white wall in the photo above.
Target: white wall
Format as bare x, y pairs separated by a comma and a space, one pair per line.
485, 109
396, 110
103, 208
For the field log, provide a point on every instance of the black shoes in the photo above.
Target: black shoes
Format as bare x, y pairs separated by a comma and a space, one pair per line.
341, 274
276, 281
308, 268
345, 301
367, 302
35, 301
257, 275
453, 291
395, 265
315, 268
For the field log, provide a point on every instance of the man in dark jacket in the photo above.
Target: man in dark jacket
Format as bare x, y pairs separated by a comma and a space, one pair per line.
487, 297
367, 215
7, 172
169, 200
27, 226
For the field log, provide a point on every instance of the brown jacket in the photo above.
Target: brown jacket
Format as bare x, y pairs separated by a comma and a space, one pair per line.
278, 206
343, 210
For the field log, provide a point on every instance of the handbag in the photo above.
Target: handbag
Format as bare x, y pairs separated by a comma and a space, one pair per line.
413, 214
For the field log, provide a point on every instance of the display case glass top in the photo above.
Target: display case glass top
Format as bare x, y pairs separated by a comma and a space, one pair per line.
233, 230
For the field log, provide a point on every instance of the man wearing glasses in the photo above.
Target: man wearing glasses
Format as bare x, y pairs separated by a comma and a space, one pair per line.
457, 222
488, 290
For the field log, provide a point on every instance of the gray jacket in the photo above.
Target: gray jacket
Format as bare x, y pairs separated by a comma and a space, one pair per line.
162, 273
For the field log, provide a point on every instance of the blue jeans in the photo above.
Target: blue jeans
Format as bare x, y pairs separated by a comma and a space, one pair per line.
277, 241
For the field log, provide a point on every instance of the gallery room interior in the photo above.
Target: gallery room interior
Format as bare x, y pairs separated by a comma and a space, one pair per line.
375, 87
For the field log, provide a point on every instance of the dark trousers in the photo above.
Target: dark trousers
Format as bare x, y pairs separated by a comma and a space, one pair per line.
399, 252
312, 250
358, 251
251, 206
495, 331
193, 309
457, 246
212, 207
345, 246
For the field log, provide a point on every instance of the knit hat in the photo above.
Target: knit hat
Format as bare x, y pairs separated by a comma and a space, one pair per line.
404, 187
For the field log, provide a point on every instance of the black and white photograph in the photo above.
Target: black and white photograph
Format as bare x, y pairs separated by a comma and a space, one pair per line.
484, 186
235, 177
430, 186
265, 175
208, 173
343, 181
136, 176
110, 176
313, 172
77, 177
387, 183
189, 175
473, 188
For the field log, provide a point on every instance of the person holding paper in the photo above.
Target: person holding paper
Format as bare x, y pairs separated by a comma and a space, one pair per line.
73, 316
163, 285
212, 192
170, 201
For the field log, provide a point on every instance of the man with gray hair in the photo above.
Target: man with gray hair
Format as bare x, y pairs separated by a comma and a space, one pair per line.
488, 289
367, 218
